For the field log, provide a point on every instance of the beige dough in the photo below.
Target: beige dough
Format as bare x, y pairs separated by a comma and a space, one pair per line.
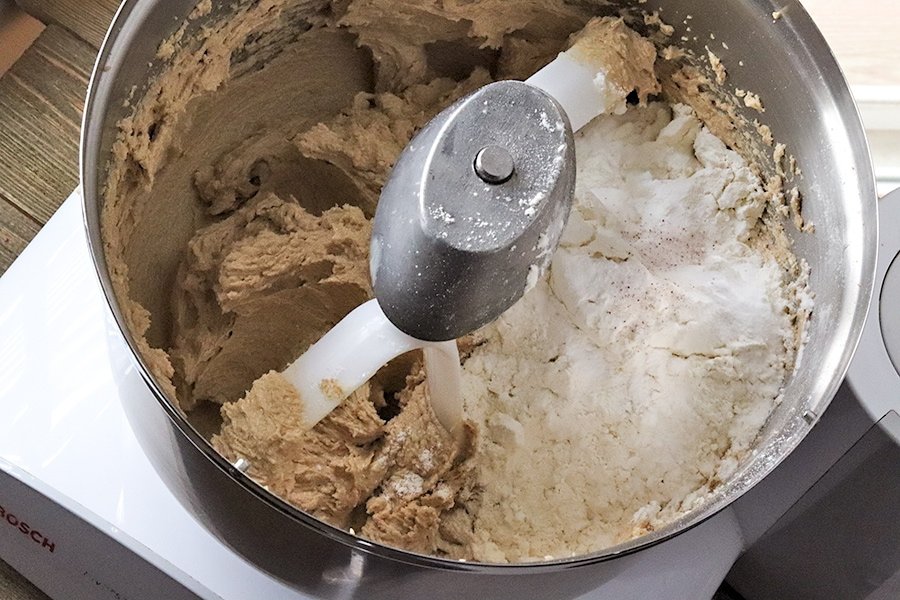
258, 287
407, 473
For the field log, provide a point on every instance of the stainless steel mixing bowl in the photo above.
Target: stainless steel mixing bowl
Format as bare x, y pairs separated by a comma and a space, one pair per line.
808, 106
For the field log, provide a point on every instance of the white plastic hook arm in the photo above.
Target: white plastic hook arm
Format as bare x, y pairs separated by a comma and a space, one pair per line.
576, 85
578, 81
354, 349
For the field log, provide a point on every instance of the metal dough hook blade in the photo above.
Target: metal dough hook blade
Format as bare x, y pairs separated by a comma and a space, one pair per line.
475, 204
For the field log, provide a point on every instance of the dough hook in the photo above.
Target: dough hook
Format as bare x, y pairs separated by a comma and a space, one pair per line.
467, 222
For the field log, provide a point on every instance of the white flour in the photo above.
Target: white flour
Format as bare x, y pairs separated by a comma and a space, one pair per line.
637, 372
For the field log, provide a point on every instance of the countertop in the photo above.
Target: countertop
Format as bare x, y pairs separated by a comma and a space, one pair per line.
49, 47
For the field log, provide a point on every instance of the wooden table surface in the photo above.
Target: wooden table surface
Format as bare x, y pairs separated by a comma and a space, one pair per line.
42, 97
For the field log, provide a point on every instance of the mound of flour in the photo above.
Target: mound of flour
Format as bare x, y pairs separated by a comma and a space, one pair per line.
632, 379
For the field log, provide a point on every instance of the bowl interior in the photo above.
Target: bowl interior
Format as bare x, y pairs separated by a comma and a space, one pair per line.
786, 62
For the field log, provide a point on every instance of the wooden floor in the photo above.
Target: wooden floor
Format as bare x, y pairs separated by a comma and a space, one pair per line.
42, 97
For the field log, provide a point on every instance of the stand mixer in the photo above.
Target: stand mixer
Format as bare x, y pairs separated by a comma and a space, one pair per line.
204, 525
